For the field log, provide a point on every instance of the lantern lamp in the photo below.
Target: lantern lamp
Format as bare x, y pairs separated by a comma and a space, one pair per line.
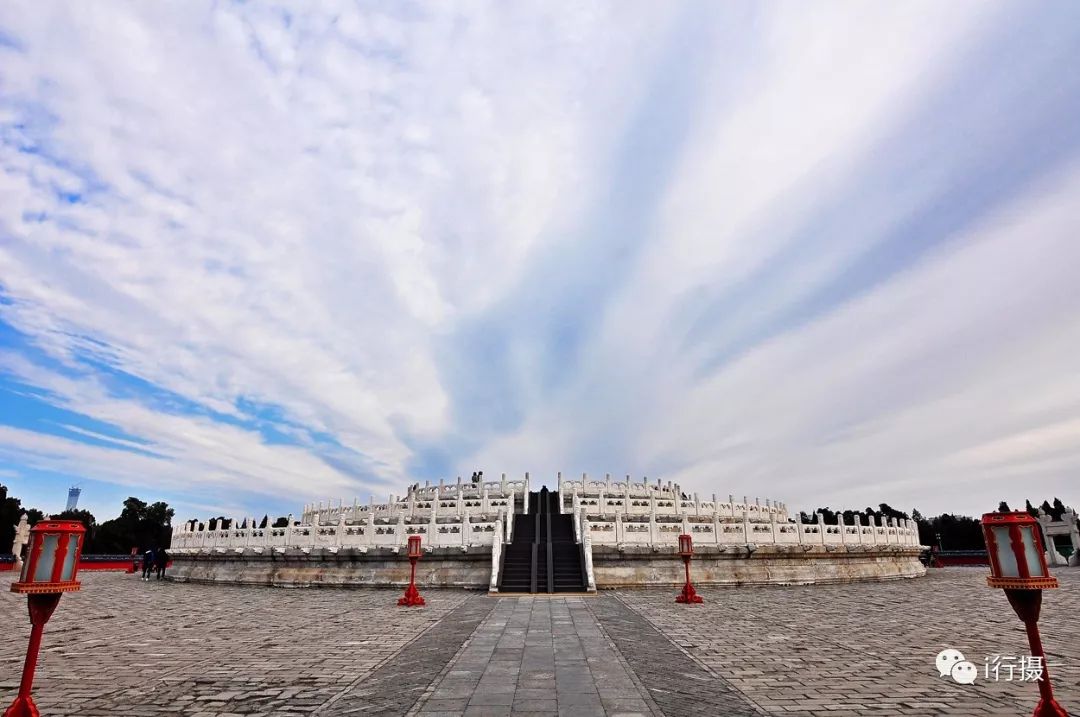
686, 551
52, 563
415, 550
1018, 565
686, 545
412, 596
1017, 557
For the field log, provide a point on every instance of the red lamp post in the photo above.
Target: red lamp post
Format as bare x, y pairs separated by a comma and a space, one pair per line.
1018, 564
52, 562
686, 550
412, 595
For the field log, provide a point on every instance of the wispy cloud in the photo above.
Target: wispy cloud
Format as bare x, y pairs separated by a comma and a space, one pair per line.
821, 254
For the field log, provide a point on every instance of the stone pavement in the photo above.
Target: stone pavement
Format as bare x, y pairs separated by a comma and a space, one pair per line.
123, 646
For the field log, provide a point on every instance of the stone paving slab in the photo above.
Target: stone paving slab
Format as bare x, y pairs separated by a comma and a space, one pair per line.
538, 656
676, 682
126, 647
865, 648
401, 681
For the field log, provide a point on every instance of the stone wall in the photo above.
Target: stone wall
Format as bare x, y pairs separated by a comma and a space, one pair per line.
637, 566
442, 567
632, 566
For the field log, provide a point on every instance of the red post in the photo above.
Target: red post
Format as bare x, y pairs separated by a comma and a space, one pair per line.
1018, 565
41, 609
412, 596
686, 550
52, 563
134, 566
1027, 605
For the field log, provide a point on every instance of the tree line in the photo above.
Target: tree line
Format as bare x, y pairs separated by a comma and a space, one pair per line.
948, 530
140, 525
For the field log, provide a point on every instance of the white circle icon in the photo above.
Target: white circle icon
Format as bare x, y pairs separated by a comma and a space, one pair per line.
946, 660
964, 673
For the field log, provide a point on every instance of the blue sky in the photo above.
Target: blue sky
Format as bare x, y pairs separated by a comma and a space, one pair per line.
255, 255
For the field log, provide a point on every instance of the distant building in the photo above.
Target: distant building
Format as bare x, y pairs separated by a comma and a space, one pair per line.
73, 498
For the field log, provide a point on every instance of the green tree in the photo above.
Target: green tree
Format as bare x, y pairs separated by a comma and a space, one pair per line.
139, 526
11, 510
89, 522
1003, 507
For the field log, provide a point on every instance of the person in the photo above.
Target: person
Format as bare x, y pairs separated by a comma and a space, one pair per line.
162, 563
147, 563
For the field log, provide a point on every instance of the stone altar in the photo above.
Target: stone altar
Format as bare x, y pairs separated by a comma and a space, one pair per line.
628, 532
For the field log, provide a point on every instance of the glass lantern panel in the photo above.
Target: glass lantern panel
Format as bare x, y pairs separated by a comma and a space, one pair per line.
68, 571
44, 569
23, 576
1005, 555
1031, 552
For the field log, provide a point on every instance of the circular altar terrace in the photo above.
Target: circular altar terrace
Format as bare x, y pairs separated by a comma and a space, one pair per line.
505, 538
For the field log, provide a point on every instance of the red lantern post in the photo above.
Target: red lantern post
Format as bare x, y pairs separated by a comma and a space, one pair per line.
412, 595
1018, 565
686, 550
52, 561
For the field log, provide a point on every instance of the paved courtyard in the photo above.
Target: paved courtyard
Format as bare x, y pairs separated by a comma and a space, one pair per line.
123, 646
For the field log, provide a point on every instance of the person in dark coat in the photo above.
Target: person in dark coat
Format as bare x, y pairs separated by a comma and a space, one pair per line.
147, 563
162, 559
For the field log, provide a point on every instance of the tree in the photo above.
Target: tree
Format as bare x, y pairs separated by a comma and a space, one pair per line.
889, 512
89, 522
1003, 507
140, 526
265, 520
282, 522
1058, 509
1031, 510
11, 510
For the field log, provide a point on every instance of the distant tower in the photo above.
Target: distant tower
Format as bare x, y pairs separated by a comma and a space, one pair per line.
73, 497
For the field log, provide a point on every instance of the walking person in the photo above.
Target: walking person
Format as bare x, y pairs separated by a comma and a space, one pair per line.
147, 563
162, 562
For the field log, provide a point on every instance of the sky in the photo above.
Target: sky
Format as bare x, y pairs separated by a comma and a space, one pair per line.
255, 255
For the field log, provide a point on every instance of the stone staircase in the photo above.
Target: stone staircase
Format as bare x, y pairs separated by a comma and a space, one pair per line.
543, 557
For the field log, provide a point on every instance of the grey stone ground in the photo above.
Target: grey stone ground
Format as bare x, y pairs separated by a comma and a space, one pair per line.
126, 647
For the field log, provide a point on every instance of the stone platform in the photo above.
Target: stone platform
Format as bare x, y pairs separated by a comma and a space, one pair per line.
318, 567
613, 567
124, 646
746, 565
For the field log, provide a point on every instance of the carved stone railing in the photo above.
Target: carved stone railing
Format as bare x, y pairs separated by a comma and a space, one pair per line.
461, 532
654, 530
629, 498
496, 555
450, 505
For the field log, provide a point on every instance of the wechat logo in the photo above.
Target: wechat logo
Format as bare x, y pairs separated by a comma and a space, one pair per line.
951, 663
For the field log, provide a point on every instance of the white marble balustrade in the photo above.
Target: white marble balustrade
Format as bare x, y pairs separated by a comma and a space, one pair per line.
661, 530
453, 499
462, 531
608, 497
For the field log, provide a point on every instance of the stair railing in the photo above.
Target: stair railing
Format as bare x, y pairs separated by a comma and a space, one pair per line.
587, 576
496, 555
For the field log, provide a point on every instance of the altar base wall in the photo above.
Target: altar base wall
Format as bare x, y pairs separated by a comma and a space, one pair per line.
345, 568
641, 566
